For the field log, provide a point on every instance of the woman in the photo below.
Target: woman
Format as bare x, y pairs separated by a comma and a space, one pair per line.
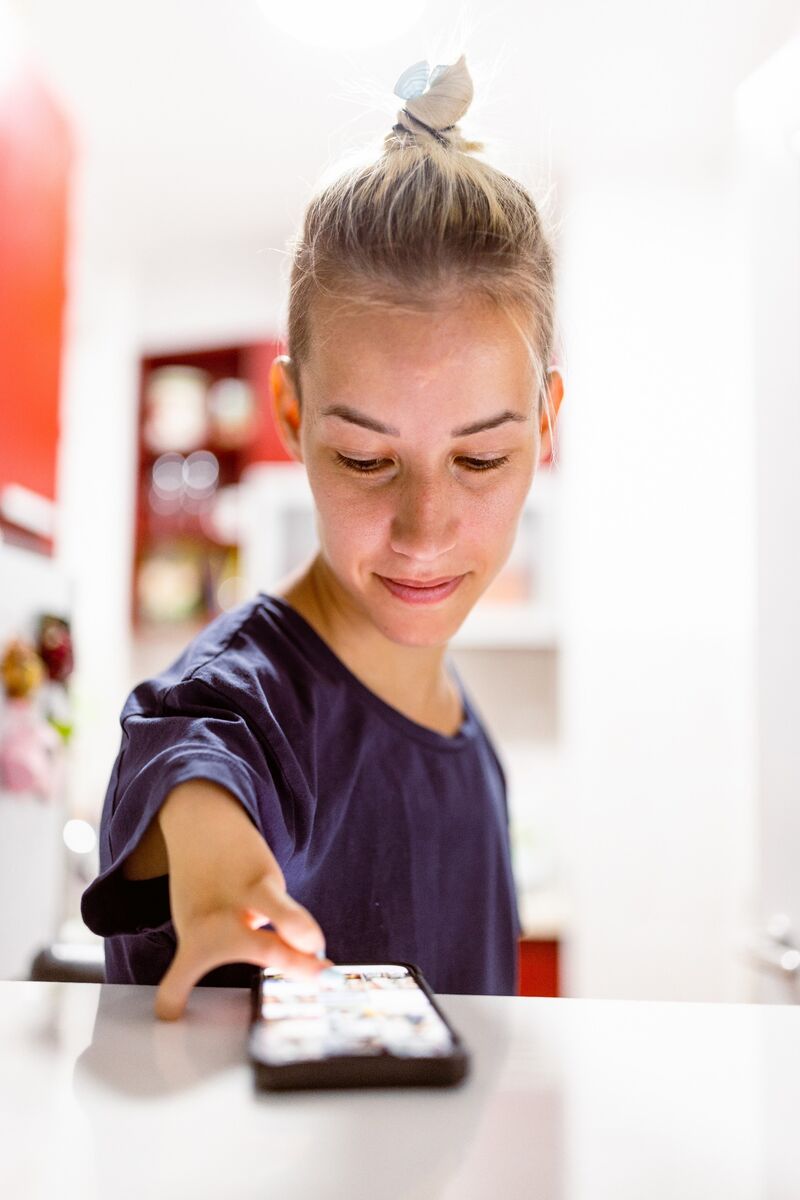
311, 760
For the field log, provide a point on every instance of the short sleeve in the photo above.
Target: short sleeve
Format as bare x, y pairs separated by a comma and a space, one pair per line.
194, 732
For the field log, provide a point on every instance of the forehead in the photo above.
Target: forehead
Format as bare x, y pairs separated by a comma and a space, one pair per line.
453, 352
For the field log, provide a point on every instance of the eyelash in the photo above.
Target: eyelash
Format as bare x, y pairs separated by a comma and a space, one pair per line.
367, 467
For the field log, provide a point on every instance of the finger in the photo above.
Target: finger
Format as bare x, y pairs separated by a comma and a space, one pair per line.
197, 953
294, 923
223, 940
176, 984
269, 950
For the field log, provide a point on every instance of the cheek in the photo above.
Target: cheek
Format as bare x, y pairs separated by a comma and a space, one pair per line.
490, 523
351, 522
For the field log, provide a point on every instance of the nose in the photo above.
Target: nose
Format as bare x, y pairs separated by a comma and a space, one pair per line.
425, 523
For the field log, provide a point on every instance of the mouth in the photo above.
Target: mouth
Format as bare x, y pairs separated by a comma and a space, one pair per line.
421, 591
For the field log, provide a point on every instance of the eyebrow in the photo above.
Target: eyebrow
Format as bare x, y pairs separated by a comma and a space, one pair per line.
346, 413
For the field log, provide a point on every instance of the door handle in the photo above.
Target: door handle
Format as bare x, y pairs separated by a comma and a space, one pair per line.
777, 949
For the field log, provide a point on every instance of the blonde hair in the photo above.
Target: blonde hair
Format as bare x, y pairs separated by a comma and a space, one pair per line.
426, 223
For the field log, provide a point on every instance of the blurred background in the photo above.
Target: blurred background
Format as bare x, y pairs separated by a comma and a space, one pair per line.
637, 659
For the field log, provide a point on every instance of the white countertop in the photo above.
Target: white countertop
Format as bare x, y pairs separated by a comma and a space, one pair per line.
567, 1099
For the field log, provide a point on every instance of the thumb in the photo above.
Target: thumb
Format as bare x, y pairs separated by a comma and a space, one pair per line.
191, 960
218, 939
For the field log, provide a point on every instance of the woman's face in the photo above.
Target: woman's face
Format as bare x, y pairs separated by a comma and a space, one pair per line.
420, 439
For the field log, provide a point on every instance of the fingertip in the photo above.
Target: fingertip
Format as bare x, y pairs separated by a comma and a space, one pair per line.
168, 1010
170, 1001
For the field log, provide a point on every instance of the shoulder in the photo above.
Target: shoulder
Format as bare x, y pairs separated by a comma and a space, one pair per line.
246, 657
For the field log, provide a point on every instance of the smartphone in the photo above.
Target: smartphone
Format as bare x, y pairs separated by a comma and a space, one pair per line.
360, 1025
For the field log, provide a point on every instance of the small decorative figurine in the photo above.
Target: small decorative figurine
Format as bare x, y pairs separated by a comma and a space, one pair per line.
30, 748
55, 650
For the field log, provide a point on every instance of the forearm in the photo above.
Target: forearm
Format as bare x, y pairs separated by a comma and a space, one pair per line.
200, 809
195, 809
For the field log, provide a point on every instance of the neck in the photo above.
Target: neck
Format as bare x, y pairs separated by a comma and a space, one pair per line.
411, 677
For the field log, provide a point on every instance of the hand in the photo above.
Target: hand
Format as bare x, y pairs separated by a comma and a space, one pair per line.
224, 882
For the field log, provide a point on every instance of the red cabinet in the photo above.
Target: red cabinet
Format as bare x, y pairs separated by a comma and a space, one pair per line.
538, 967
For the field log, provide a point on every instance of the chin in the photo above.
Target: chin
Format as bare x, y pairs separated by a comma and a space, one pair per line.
404, 635
421, 626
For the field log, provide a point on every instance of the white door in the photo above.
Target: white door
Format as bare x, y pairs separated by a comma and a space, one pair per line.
769, 129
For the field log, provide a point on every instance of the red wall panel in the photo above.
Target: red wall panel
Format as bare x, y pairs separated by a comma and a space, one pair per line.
35, 157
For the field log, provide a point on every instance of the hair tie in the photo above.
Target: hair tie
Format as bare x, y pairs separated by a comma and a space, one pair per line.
435, 132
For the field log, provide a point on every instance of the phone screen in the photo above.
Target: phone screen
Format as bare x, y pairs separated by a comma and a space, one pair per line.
347, 1010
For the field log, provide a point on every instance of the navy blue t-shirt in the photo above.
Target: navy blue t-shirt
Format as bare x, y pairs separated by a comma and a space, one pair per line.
392, 835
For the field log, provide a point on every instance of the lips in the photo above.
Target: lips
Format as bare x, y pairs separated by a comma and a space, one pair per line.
419, 582
418, 592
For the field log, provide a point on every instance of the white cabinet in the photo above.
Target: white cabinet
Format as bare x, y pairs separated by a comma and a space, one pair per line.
276, 522
519, 609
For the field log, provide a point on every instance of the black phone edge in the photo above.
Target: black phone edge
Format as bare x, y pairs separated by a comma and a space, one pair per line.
359, 1070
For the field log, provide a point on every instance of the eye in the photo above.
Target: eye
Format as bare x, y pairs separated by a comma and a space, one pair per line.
367, 466
364, 466
486, 464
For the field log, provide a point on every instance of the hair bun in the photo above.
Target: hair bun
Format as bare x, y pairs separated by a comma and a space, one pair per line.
438, 98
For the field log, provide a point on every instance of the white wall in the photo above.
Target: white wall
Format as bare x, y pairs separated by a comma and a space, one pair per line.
658, 587
95, 487
218, 294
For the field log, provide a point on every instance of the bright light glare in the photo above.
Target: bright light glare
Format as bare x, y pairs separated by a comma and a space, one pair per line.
790, 960
79, 836
12, 45
230, 592
346, 25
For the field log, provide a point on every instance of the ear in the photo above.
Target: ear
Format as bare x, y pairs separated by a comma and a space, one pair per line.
555, 392
286, 404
